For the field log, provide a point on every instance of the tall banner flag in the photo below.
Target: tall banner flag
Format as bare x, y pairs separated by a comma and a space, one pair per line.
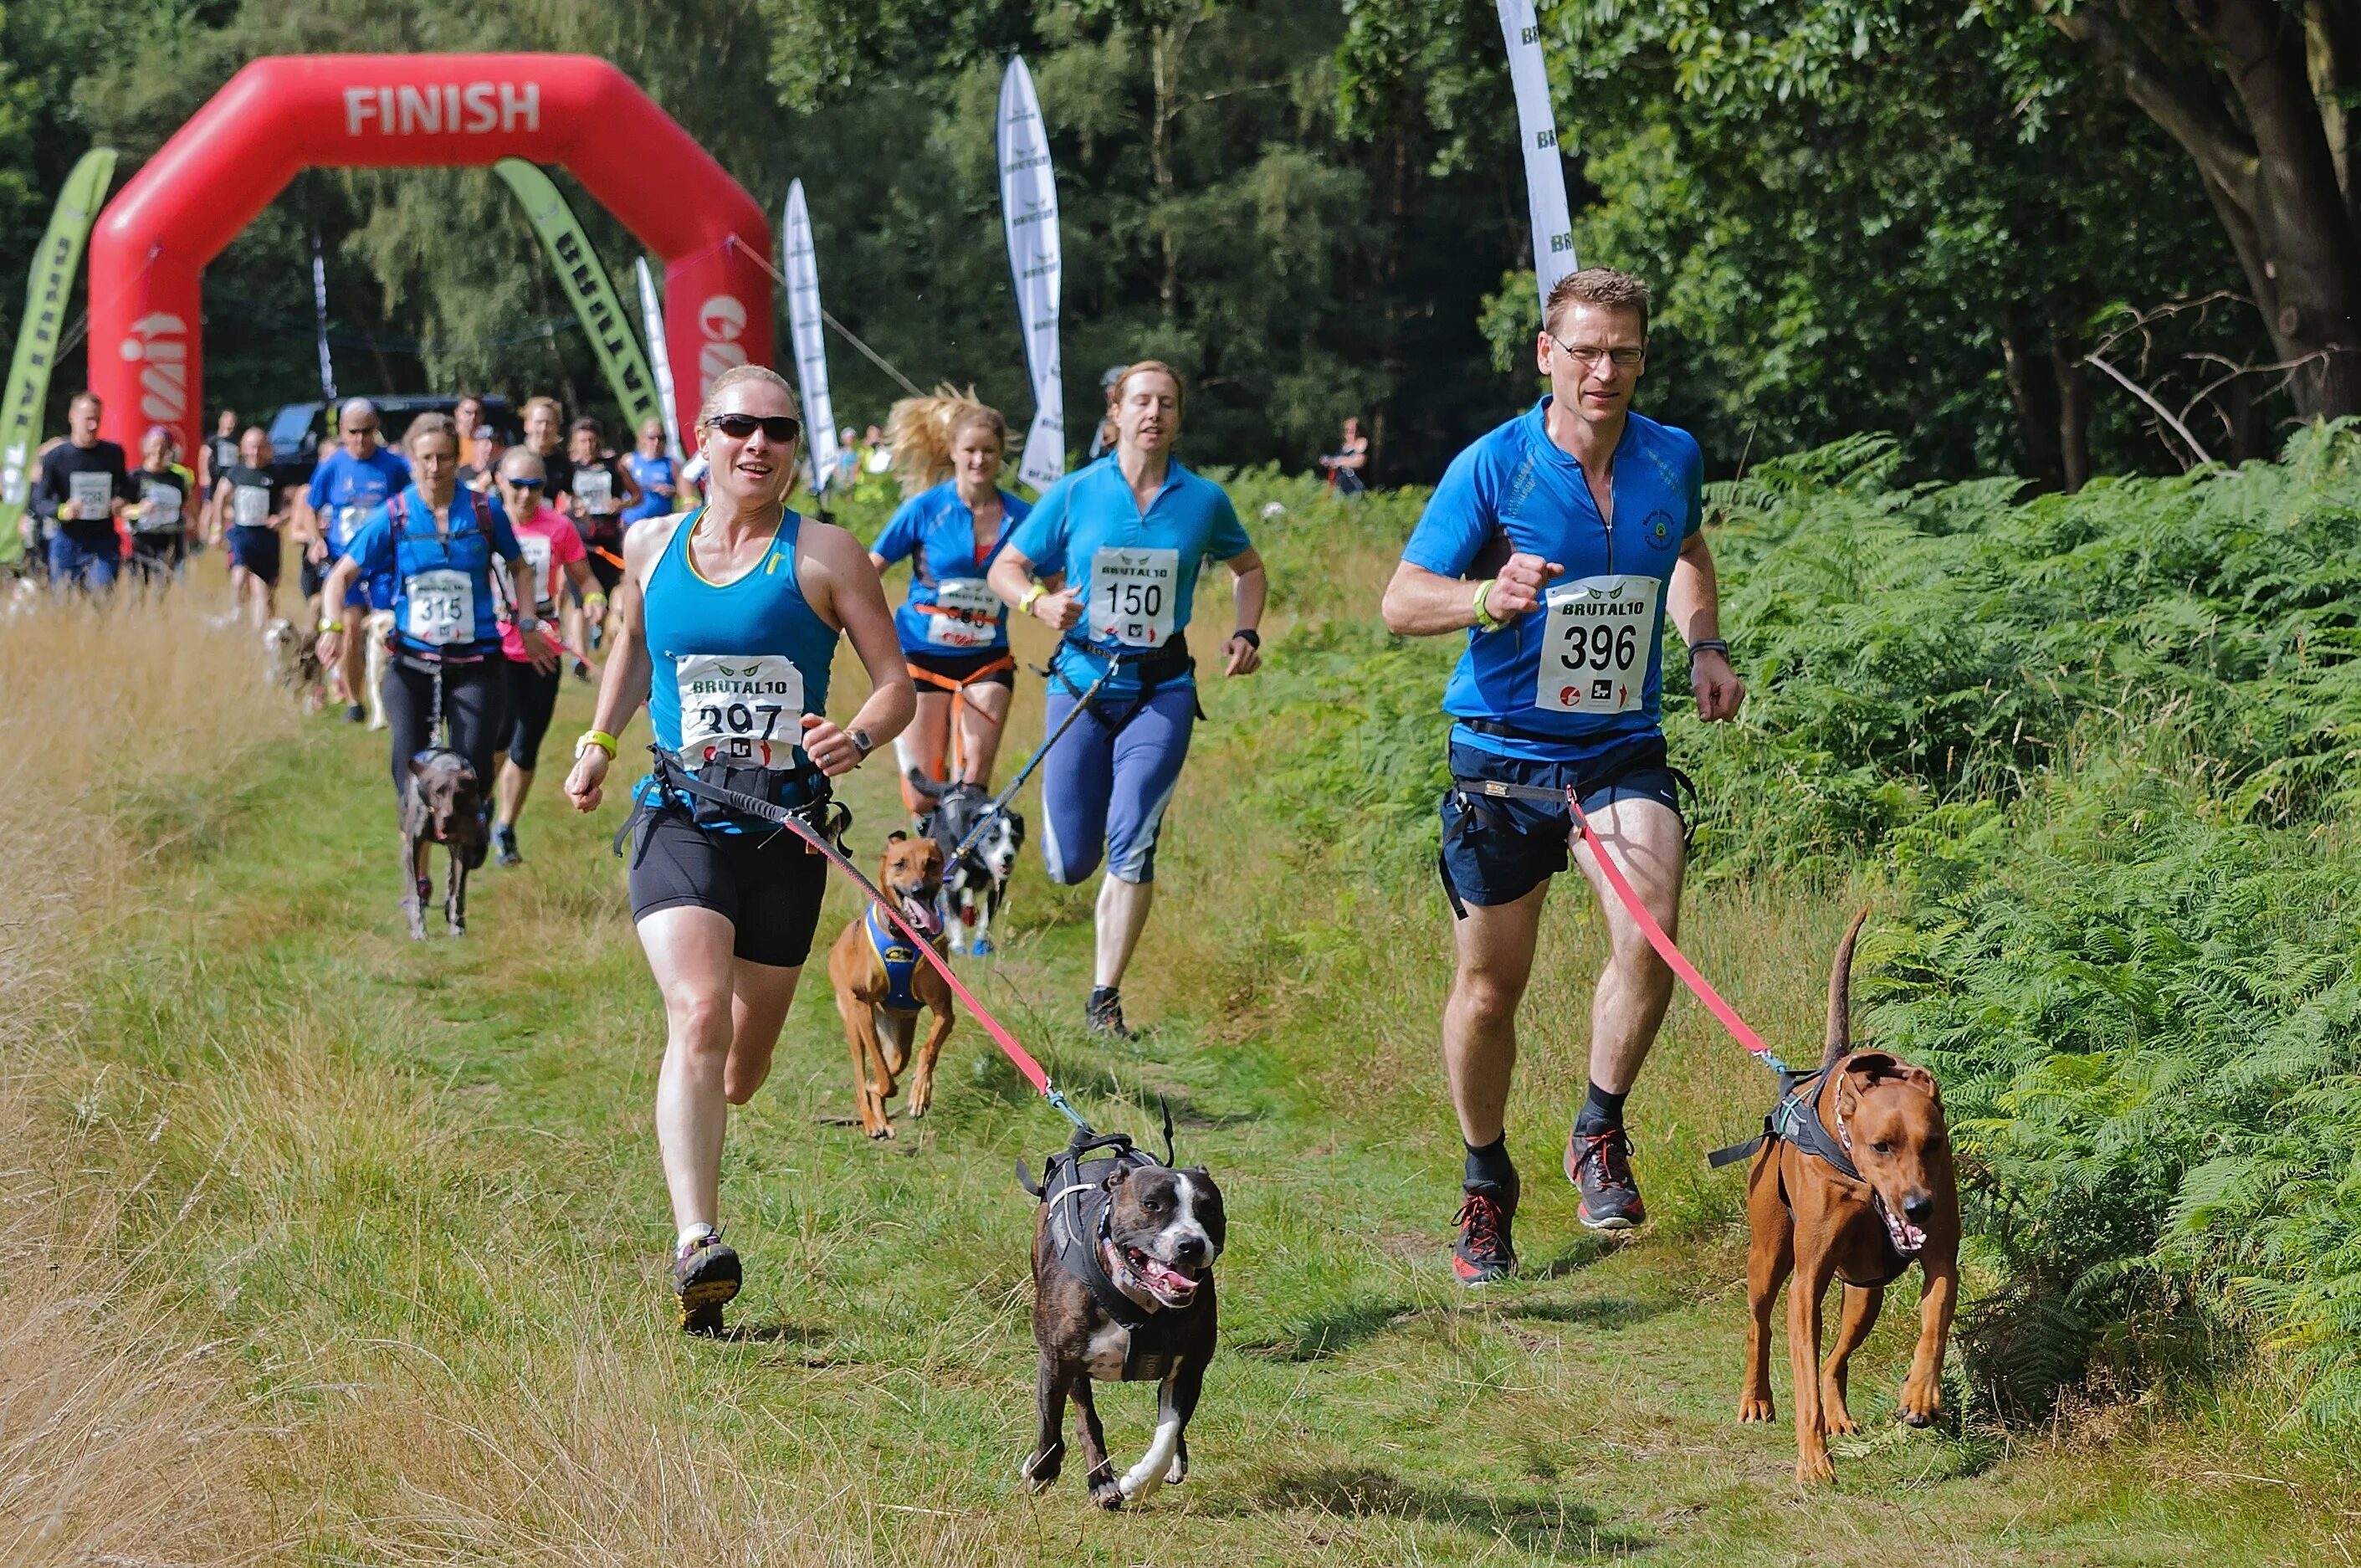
1028, 209
320, 317
47, 291
651, 311
585, 281
810, 338
1544, 171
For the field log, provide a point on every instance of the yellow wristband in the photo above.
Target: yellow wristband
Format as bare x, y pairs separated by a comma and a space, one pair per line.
594, 598
598, 738
1484, 620
1025, 604
331, 626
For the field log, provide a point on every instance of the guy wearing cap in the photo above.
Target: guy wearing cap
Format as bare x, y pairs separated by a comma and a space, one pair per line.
350, 483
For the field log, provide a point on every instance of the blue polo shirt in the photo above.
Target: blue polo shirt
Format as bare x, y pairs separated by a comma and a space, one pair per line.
936, 531
1517, 481
451, 576
345, 488
1137, 572
648, 472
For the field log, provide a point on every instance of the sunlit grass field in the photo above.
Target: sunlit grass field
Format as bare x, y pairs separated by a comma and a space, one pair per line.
324, 1246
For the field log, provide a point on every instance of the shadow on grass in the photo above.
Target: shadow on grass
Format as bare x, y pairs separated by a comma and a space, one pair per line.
1585, 1251
1332, 1334
776, 1332
1538, 1525
1598, 1312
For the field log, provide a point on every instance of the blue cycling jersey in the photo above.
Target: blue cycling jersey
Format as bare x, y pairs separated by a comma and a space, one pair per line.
1599, 637
649, 472
345, 488
441, 597
948, 608
1136, 572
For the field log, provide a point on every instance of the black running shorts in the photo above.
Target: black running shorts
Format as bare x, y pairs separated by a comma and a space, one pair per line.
768, 884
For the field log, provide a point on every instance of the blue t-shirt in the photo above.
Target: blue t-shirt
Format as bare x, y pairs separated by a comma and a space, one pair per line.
1137, 572
1517, 481
948, 608
442, 588
649, 472
345, 488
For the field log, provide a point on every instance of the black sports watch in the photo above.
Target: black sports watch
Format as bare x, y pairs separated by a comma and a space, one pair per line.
1708, 645
1253, 638
862, 743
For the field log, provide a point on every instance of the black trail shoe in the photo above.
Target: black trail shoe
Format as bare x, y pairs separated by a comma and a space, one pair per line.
705, 1276
1103, 1014
1599, 1166
1484, 1252
504, 846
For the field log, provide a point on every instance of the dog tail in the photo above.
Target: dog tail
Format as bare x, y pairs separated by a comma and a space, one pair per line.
927, 789
1841, 994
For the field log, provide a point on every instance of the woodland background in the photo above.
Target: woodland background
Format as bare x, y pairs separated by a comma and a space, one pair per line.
1860, 215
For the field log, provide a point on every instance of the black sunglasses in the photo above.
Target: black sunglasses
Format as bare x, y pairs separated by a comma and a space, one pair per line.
779, 428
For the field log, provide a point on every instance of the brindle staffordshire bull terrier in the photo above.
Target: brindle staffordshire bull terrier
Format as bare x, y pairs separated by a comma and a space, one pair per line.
1123, 1282
881, 984
1853, 1182
441, 803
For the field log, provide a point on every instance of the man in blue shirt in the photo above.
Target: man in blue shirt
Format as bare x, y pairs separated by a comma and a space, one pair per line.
350, 483
653, 472
1559, 544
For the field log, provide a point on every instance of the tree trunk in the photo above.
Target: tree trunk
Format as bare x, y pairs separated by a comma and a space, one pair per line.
2271, 172
2074, 407
2033, 388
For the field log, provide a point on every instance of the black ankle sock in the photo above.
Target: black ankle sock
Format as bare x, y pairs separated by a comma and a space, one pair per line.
1602, 1112
1490, 1165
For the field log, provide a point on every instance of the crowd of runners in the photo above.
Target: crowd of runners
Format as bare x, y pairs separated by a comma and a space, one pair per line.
1557, 546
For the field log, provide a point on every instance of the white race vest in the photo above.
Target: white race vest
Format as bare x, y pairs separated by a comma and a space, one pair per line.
746, 710
1595, 640
92, 494
1133, 596
250, 505
536, 550
442, 608
159, 509
970, 597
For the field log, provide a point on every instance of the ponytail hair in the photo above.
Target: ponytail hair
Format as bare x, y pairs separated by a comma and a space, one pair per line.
922, 431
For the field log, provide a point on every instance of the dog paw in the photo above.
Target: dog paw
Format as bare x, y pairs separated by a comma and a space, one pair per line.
1754, 1408
881, 1130
1039, 1470
1839, 1423
1814, 1469
1921, 1407
1107, 1494
1178, 1473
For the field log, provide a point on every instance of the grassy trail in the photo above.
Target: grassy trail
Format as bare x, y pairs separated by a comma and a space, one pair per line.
413, 1189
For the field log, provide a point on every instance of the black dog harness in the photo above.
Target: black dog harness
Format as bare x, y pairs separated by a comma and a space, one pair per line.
1796, 1119
1075, 1190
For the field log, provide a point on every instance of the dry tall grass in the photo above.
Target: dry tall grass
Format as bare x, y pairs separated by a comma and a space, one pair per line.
124, 1437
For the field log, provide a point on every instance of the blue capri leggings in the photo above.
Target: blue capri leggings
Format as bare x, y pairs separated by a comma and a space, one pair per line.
1108, 779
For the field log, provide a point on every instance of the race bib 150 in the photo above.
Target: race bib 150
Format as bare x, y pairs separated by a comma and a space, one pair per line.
1134, 595
743, 710
1597, 634
442, 608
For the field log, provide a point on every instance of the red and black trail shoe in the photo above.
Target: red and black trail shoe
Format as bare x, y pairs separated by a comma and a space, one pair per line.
1599, 1166
1484, 1252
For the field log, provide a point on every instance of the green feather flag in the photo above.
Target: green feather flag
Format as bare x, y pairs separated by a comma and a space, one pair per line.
585, 281
47, 291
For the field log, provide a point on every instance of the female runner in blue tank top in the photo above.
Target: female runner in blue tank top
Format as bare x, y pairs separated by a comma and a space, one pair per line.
725, 623
436, 544
1116, 549
949, 448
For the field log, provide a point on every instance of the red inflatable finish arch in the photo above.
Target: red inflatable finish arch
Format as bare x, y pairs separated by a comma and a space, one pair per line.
395, 111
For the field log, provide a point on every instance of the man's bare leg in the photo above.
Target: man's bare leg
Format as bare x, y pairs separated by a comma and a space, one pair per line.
1495, 947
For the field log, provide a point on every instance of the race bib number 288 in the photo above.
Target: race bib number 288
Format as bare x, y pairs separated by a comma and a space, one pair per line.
1598, 634
744, 710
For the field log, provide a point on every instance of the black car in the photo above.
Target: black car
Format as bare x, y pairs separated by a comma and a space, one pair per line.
297, 428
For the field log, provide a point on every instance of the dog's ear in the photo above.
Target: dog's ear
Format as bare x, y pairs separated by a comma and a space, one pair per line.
418, 761
898, 837
1875, 1065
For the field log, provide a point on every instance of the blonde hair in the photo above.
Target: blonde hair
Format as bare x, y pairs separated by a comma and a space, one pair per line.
738, 374
1601, 286
430, 424
1141, 368
556, 410
922, 430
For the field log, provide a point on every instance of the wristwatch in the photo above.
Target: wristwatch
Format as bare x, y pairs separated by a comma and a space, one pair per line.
862, 743
1248, 634
1708, 645
525, 624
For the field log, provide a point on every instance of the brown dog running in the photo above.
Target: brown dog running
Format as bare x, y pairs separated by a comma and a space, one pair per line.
441, 803
881, 984
1853, 1182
